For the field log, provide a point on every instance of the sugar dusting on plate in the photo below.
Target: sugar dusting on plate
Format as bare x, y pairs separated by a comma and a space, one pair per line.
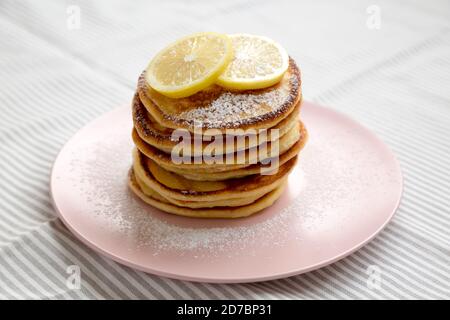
99, 172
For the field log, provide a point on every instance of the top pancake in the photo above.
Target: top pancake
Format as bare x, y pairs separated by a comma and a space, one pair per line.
219, 108
162, 138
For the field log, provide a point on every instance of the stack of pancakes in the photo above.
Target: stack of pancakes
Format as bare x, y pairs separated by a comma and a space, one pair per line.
246, 181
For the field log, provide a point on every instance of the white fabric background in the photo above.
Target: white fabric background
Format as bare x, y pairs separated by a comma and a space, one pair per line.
394, 80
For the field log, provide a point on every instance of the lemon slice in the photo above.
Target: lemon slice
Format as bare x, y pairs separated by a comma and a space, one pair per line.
258, 62
189, 64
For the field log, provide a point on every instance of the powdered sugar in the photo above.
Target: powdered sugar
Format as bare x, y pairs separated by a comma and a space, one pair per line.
232, 109
103, 183
100, 173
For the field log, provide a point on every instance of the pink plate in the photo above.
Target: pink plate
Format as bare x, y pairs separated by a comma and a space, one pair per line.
344, 190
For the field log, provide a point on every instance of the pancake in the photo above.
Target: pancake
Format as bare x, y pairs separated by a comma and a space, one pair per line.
252, 186
195, 204
161, 138
219, 108
218, 212
249, 157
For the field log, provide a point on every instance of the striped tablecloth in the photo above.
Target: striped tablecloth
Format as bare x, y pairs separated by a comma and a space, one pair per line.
384, 63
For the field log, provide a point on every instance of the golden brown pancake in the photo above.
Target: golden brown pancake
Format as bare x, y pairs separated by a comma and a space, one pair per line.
219, 108
160, 137
249, 157
236, 202
251, 186
217, 212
